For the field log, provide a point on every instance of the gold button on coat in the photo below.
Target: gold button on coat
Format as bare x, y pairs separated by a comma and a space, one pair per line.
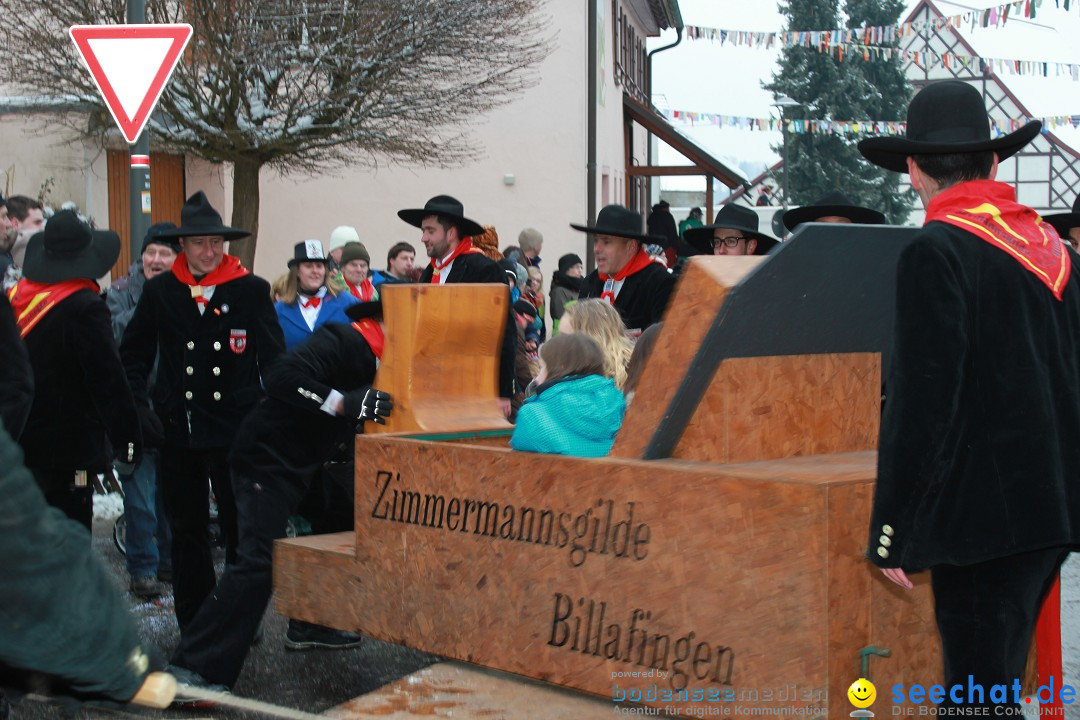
217, 346
190, 345
883, 552
188, 394
217, 396
887, 529
190, 370
217, 371
885, 541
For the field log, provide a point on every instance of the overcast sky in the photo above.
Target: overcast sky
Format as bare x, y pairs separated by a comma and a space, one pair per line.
702, 76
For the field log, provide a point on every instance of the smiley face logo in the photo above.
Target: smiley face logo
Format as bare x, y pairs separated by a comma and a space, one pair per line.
862, 693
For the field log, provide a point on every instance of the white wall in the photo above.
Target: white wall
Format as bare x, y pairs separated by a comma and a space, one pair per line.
32, 151
539, 138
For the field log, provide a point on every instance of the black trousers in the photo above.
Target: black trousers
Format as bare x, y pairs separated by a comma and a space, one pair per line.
184, 476
216, 642
58, 486
986, 616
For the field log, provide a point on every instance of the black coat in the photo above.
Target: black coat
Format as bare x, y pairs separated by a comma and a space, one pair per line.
642, 299
287, 437
477, 268
61, 613
210, 365
16, 377
979, 454
82, 402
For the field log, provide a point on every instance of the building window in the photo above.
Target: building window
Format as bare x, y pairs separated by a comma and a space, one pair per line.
631, 57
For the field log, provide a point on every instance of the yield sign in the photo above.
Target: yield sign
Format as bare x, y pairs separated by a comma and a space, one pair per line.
131, 65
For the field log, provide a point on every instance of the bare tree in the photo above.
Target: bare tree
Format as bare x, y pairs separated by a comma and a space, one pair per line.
303, 85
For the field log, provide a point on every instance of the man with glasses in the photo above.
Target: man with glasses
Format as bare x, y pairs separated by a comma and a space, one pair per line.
733, 232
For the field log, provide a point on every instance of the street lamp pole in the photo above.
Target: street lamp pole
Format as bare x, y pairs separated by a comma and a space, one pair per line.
781, 103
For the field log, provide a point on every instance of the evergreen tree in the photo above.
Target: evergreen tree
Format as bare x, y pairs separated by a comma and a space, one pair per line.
828, 88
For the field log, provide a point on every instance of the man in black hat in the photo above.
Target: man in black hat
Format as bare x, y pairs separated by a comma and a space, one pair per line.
1068, 224
212, 328
734, 231
625, 275
832, 207
977, 463
148, 537
447, 237
318, 397
83, 415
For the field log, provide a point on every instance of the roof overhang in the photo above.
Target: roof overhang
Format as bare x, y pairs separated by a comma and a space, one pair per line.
652, 121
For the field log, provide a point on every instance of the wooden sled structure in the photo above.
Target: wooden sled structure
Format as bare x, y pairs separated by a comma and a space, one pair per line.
712, 565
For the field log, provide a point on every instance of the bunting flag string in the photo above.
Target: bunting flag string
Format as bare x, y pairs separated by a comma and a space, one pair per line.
845, 127
924, 59
994, 17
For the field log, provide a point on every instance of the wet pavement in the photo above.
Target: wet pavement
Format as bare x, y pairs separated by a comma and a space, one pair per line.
312, 681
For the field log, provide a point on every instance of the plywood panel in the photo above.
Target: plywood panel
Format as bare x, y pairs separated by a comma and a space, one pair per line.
698, 295
739, 556
778, 407
441, 364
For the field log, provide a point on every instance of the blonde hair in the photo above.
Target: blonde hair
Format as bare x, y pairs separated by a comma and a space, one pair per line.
277, 288
600, 321
334, 285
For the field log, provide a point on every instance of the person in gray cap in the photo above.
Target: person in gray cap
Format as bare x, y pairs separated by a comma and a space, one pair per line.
148, 538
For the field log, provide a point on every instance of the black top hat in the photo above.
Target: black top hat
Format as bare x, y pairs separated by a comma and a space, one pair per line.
67, 248
445, 206
308, 251
1063, 222
730, 217
945, 117
836, 203
620, 222
198, 218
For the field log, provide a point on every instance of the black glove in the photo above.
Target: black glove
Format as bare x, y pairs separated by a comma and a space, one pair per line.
367, 403
153, 431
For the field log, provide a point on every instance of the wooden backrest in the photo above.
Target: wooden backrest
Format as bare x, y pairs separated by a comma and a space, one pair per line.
441, 358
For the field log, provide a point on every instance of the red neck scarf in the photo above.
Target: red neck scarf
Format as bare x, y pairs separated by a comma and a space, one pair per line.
365, 290
989, 210
229, 269
637, 263
373, 333
464, 247
31, 300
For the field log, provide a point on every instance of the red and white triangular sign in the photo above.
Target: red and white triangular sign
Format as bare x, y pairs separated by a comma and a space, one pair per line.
130, 64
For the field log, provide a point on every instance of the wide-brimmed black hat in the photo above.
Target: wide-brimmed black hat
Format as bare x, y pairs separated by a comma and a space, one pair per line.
361, 310
620, 222
945, 117
835, 203
730, 217
445, 206
198, 217
308, 251
67, 248
1063, 222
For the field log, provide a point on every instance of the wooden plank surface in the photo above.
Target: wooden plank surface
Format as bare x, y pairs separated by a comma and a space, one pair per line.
752, 574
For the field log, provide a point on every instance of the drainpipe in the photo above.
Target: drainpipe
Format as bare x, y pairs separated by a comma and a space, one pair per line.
590, 173
679, 25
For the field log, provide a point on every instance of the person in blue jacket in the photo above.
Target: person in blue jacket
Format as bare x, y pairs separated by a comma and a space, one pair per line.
309, 301
576, 409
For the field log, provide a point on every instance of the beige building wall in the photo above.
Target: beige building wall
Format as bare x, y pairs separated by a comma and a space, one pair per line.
539, 141
34, 153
